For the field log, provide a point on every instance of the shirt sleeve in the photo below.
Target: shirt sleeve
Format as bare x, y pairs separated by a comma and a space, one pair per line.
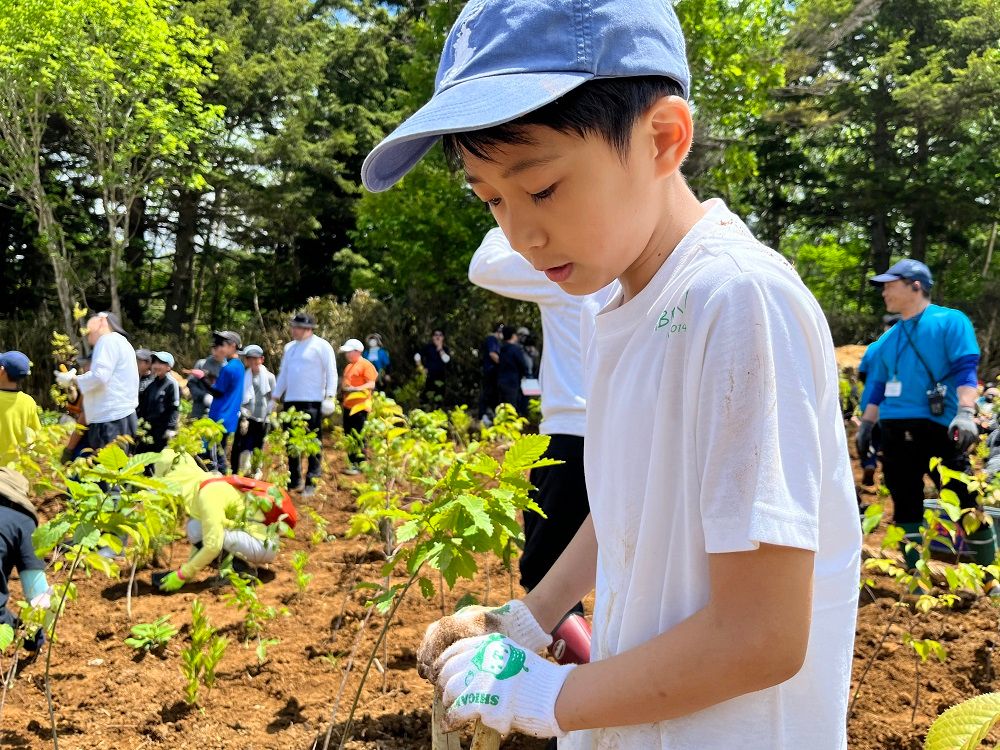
209, 507
172, 403
281, 383
759, 383
498, 268
102, 367
27, 559
331, 372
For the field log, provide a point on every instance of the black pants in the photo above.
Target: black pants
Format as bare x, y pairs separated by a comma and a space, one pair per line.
908, 445
355, 423
252, 440
314, 425
100, 434
489, 396
562, 493
215, 455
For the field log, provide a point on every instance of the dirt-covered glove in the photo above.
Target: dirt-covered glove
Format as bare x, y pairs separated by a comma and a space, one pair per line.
963, 428
65, 379
171, 582
329, 406
513, 620
505, 686
864, 438
244, 425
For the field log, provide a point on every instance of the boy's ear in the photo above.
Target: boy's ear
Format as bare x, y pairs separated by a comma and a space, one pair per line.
669, 123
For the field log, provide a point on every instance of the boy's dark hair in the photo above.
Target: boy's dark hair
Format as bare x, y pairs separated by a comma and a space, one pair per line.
605, 107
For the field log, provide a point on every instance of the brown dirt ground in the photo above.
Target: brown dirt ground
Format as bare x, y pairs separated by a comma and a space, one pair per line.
106, 697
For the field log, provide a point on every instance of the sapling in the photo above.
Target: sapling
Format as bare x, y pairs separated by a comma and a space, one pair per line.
299, 561
244, 597
152, 636
201, 658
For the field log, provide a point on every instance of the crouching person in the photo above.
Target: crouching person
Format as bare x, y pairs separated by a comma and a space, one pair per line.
18, 520
224, 516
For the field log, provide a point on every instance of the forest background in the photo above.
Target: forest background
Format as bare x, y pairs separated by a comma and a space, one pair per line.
194, 165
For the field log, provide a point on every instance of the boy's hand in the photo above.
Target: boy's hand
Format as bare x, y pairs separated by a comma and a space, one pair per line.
170, 582
513, 620
493, 679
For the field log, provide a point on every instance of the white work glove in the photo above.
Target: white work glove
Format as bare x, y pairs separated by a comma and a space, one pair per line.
170, 434
513, 620
328, 407
506, 687
65, 379
43, 600
417, 358
207, 399
244, 425
445, 357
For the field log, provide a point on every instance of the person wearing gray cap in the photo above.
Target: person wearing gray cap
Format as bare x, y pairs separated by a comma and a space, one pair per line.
160, 403
110, 387
144, 361
258, 382
307, 381
923, 384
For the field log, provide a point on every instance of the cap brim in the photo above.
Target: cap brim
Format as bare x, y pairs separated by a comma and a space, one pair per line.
883, 278
470, 105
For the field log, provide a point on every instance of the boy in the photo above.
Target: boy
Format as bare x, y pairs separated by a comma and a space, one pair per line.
18, 411
258, 382
723, 539
160, 402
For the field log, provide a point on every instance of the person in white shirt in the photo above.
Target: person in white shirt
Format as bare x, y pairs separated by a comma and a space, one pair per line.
307, 380
110, 387
723, 543
561, 490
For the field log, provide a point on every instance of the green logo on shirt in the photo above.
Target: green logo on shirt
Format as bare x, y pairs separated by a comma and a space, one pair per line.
672, 318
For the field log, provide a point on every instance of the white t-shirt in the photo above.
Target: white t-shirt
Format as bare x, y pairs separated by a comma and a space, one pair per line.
496, 266
111, 387
714, 426
308, 371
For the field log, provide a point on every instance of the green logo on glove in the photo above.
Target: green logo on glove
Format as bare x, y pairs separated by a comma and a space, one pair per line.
499, 659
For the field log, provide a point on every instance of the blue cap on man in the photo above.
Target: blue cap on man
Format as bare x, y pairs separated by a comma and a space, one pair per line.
909, 269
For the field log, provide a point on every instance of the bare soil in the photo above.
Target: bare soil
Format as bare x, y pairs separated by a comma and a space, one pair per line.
108, 697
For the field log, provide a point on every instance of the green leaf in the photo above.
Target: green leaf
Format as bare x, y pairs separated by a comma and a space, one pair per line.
112, 457
474, 506
963, 727
526, 450
6, 636
48, 535
426, 587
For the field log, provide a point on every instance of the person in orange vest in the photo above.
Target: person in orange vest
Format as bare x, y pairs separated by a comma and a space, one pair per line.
356, 387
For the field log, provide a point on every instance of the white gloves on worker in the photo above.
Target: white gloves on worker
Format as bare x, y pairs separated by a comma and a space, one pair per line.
65, 379
505, 686
328, 407
513, 620
445, 357
207, 399
43, 600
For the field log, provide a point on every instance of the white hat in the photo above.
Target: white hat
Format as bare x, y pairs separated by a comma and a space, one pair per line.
352, 345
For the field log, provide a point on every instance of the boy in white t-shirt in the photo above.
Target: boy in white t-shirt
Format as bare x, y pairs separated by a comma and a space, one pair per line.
723, 540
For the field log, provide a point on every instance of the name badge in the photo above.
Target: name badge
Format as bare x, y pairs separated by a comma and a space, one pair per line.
893, 389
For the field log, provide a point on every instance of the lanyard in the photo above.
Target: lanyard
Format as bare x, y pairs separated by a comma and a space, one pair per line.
909, 340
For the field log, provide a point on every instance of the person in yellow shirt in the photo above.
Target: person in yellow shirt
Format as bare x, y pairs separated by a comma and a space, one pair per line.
18, 411
219, 520
357, 386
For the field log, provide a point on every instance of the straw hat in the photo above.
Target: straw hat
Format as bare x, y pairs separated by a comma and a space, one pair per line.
14, 489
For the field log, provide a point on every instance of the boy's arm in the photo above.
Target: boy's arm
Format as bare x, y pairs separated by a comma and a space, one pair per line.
751, 635
569, 579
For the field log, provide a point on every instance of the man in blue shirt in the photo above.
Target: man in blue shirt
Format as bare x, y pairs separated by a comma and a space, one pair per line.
922, 392
227, 393
869, 461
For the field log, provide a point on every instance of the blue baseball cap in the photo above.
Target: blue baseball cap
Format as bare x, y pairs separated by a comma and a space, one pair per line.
910, 269
165, 357
505, 58
16, 364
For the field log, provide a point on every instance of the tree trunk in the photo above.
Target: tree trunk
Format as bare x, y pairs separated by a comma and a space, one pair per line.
51, 234
179, 298
133, 292
920, 212
881, 161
